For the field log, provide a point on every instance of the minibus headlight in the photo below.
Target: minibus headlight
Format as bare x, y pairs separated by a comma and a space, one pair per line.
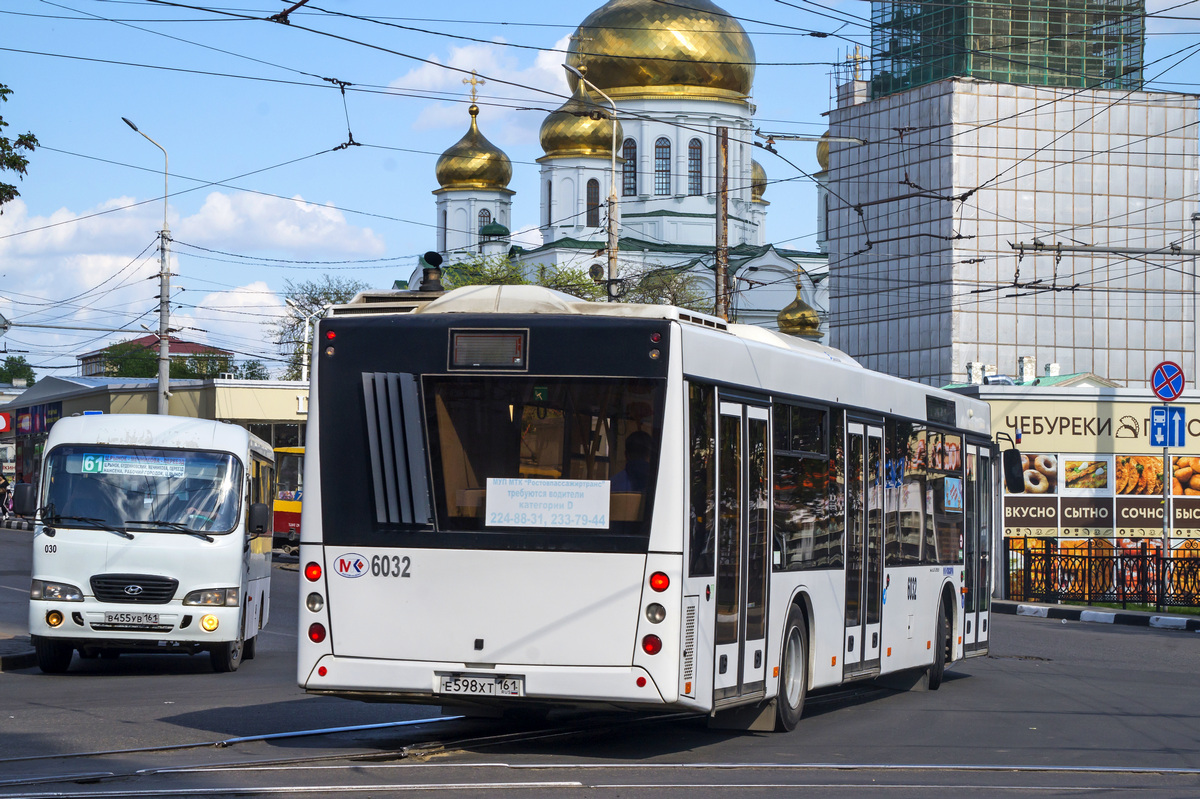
54, 618
208, 623
227, 597
61, 592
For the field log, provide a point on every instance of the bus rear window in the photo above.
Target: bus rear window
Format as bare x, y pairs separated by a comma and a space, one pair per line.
543, 455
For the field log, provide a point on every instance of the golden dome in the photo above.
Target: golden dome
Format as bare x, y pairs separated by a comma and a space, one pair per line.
799, 318
758, 182
474, 163
823, 151
573, 130
650, 48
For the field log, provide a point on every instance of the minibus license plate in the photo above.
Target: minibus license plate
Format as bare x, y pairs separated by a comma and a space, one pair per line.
131, 618
482, 685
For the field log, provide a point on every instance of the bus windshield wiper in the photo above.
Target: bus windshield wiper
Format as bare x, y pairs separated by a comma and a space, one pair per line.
175, 527
99, 524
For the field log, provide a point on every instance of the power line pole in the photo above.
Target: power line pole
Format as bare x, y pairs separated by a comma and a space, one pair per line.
722, 293
164, 291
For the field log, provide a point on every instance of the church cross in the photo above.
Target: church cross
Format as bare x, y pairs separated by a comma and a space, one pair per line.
475, 81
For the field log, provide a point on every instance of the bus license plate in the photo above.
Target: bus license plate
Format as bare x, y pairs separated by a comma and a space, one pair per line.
482, 685
131, 618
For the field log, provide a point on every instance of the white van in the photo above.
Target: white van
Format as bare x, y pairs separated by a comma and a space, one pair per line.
153, 534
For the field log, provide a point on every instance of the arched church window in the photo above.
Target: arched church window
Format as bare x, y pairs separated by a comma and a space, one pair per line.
629, 168
695, 170
593, 203
485, 218
662, 166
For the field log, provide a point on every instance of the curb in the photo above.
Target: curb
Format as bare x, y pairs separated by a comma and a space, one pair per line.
16, 524
16, 654
1083, 614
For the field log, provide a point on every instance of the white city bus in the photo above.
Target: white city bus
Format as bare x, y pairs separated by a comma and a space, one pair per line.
153, 534
526, 500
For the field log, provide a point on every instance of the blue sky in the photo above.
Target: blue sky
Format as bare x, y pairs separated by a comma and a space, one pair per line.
251, 115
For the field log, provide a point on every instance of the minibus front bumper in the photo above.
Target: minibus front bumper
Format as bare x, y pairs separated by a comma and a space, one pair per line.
104, 624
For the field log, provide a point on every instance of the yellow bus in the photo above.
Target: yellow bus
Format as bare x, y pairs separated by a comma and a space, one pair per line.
289, 493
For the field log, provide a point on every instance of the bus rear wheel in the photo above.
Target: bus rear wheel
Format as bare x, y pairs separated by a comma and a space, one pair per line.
941, 646
793, 672
53, 657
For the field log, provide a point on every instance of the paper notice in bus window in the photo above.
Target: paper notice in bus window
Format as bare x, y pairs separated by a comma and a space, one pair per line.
131, 465
515, 502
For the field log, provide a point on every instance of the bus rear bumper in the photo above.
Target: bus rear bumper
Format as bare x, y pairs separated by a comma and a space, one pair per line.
421, 681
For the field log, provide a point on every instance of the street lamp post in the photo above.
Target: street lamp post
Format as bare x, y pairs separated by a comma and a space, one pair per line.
164, 292
307, 333
611, 284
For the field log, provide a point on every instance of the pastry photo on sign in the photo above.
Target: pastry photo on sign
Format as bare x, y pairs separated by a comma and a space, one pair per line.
1139, 475
1086, 475
1185, 479
1039, 473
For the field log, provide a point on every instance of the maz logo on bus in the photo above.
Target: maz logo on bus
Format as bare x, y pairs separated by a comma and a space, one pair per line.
351, 565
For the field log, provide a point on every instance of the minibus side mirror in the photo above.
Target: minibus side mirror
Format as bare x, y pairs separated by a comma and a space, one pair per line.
24, 499
260, 519
1014, 475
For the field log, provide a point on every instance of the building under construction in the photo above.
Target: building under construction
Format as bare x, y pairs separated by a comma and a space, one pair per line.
1089, 44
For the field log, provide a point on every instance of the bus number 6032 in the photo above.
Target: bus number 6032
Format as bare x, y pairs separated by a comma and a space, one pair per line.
390, 566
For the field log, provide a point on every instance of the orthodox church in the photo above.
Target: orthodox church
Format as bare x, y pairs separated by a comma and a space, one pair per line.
676, 73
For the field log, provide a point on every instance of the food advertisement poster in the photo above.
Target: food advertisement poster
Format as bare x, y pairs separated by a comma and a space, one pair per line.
1069, 495
1089, 470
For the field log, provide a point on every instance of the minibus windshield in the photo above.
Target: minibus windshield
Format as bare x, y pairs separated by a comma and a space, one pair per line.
162, 490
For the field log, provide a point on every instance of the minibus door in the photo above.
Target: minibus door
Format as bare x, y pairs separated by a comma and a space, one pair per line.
743, 541
864, 548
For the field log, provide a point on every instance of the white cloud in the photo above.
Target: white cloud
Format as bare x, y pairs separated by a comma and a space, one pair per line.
94, 269
242, 222
526, 85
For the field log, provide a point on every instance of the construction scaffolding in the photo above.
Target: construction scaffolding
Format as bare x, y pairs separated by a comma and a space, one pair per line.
1070, 43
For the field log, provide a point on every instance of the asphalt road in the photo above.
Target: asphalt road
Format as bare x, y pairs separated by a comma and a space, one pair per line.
1058, 709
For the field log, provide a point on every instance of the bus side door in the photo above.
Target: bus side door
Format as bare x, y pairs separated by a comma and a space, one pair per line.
864, 548
743, 552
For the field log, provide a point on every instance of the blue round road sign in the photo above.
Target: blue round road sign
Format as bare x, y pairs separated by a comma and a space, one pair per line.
1167, 381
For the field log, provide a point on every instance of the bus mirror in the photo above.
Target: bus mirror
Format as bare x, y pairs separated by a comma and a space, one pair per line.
260, 519
24, 499
1014, 475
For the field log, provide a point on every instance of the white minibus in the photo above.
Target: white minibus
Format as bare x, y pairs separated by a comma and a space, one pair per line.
152, 534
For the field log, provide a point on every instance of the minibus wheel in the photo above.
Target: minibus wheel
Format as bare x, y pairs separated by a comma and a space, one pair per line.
227, 656
53, 657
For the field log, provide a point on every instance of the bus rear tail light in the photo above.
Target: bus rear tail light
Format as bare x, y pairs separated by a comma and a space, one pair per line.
652, 644
655, 613
659, 582
312, 572
314, 602
316, 632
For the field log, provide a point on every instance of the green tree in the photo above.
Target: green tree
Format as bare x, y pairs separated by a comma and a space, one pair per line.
11, 159
251, 370
659, 285
499, 270
16, 366
131, 359
307, 297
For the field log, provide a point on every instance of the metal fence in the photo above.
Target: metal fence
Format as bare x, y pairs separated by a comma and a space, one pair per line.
1097, 572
